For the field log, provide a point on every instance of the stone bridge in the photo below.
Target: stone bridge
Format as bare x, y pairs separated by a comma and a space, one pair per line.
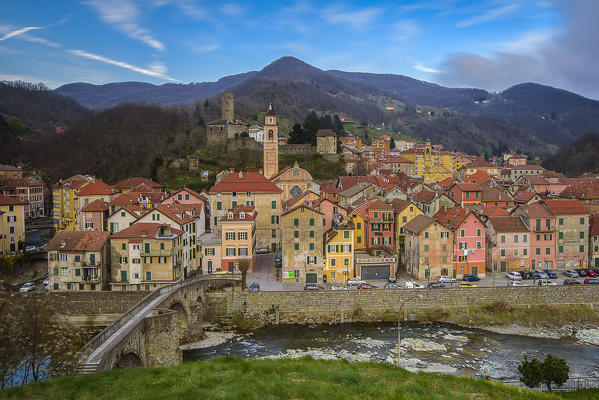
149, 334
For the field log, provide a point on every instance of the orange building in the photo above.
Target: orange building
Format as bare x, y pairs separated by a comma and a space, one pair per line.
238, 235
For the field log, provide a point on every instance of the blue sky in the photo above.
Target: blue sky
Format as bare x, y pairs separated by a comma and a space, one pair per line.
486, 43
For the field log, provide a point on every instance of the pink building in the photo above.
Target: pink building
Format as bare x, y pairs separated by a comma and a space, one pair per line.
184, 196
329, 210
511, 240
94, 216
469, 247
541, 224
465, 193
380, 225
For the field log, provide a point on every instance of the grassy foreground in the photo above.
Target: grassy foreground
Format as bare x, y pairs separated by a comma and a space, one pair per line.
234, 378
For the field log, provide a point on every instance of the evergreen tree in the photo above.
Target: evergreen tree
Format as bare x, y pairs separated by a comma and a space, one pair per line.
312, 124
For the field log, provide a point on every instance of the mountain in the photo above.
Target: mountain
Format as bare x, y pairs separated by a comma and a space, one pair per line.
99, 97
38, 109
577, 157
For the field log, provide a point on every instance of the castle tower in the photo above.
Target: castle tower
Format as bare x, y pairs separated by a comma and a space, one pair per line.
427, 156
227, 103
271, 143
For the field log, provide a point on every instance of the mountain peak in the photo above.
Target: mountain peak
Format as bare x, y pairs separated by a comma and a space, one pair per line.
288, 67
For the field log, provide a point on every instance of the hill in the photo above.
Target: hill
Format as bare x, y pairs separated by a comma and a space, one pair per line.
305, 378
38, 108
577, 157
99, 97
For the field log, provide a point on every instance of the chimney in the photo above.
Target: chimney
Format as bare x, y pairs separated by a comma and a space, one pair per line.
240, 175
261, 171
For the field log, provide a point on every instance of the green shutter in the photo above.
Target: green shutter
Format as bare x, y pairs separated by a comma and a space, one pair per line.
296, 246
311, 234
147, 247
77, 272
274, 204
148, 275
311, 221
123, 276
55, 271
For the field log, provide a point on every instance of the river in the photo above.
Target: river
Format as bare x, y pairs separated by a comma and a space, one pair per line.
435, 348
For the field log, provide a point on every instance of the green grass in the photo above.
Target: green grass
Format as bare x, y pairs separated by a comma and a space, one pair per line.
234, 378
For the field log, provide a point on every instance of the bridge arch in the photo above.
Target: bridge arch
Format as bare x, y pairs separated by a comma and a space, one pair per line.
182, 315
128, 360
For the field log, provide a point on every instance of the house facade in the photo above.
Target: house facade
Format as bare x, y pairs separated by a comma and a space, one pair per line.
511, 243
428, 248
12, 224
339, 250
571, 231
25, 189
238, 237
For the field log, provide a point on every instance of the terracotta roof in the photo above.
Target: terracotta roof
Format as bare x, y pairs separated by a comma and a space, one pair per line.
594, 225
303, 205
400, 205
479, 176
296, 198
566, 207
418, 223
508, 224
96, 188
531, 167
524, 197
279, 173
8, 200
379, 205
480, 163
249, 213
424, 196
145, 230
134, 181
78, 241
25, 181
495, 212
493, 194
446, 182
125, 199
329, 187
583, 191
452, 218
536, 180
73, 182
325, 133
398, 159
355, 189
98, 205
245, 182
468, 187
537, 210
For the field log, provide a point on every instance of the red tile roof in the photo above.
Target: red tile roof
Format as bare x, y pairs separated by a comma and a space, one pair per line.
566, 207
478, 177
446, 182
300, 206
424, 196
379, 205
529, 167
98, 205
493, 194
480, 163
452, 218
125, 199
245, 182
145, 230
96, 188
249, 214
134, 181
508, 224
78, 241
537, 210
524, 197
25, 181
594, 225
8, 200
418, 223
468, 187
400, 205
495, 212
325, 132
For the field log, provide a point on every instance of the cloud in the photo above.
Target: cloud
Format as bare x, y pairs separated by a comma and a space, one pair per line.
358, 19
487, 16
123, 15
405, 29
156, 70
422, 68
40, 40
18, 32
231, 9
203, 48
566, 59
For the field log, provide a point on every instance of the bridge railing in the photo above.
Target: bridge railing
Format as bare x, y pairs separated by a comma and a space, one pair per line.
572, 384
101, 337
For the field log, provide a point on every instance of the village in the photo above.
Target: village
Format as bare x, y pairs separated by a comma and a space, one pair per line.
407, 214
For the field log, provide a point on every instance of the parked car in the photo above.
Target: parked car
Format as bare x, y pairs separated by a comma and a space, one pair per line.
534, 275
413, 285
339, 287
254, 287
581, 272
467, 284
446, 279
392, 278
572, 282
514, 276
30, 248
262, 250
366, 286
591, 272
355, 282
552, 275
27, 287
435, 285
542, 274
470, 278
392, 285
571, 273
43, 246
545, 282
525, 274
46, 281
516, 283
312, 286
591, 281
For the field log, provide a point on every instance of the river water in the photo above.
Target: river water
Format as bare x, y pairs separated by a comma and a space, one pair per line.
436, 347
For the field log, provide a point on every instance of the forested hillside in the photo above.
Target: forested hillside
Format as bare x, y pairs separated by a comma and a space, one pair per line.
576, 158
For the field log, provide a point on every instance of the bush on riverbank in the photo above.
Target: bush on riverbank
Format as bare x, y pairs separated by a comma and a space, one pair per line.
235, 378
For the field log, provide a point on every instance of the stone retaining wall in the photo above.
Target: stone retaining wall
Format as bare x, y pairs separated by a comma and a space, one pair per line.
90, 303
366, 305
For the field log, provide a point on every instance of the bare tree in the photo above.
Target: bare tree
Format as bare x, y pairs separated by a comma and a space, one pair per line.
243, 266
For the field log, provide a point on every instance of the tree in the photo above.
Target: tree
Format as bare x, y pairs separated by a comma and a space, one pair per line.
298, 134
392, 144
553, 370
243, 266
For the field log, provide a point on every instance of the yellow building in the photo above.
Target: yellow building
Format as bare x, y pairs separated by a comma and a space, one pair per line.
78, 261
405, 211
434, 165
356, 219
303, 257
66, 202
12, 223
338, 244
238, 237
146, 256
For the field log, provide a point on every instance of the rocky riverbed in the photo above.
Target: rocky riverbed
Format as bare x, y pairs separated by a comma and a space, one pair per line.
435, 348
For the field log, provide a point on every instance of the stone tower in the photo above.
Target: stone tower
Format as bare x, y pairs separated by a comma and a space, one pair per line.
271, 143
427, 156
227, 103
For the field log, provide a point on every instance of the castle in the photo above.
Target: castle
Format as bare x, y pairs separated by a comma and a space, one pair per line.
227, 127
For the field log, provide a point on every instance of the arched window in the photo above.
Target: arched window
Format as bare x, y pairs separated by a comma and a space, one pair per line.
271, 134
296, 172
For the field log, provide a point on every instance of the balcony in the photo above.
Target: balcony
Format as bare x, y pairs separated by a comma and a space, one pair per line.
366, 259
91, 278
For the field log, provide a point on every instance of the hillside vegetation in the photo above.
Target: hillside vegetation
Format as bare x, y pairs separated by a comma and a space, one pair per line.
234, 378
576, 158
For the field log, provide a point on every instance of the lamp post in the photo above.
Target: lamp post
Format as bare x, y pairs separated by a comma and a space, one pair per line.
418, 296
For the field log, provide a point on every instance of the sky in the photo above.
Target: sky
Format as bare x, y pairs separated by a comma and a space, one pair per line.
489, 44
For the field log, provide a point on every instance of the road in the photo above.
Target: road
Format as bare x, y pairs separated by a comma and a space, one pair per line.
264, 273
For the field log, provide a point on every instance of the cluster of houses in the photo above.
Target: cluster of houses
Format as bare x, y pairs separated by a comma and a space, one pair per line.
416, 208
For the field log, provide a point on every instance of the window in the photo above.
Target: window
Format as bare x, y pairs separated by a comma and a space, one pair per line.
581, 248
295, 222
230, 235
538, 224
479, 245
219, 205
209, 251
478, 232
230, 251
444, 235
55, 271
123, 246
524, 252
375, 214
242, 235
147, 247
123, 276
346, 261
186, 197
426, 247
123, 260
404, 219
311, 234
148, 275
582, 235
296, 234
561, 235
426, 235
233, 203
548, 250
296, 246
359, 225
55, 286
582, 221
273, 233
243, 251
538, 251
515, 238
311, 246
179, 196
560, 249
502, 238
274, 219
11, 208
273, 204
359, 239
560, 221
462, 233
311, 221
548, 223
525, 238
345, 234
333, 261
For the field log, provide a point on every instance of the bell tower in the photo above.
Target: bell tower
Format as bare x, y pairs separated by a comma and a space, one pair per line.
271, 143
